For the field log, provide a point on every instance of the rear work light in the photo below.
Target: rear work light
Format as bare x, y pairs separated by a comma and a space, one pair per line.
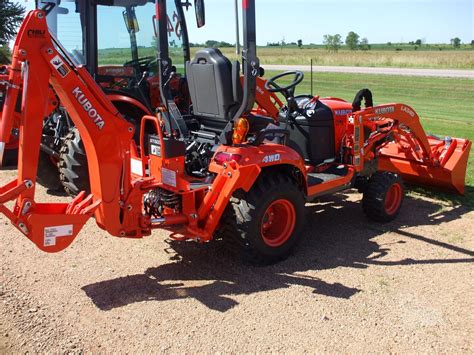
221, 158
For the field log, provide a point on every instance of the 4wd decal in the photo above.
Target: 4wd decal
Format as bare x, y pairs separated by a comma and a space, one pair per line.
87, 106
271, 158
59, 65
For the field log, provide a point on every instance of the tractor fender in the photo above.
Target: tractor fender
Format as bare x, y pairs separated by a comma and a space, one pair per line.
243, 166
132, 110
128, 101
264, 157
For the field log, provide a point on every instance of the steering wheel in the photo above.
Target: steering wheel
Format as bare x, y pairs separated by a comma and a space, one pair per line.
272, 86
143, 62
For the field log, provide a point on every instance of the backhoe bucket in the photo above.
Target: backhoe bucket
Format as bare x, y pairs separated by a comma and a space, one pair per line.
444, 169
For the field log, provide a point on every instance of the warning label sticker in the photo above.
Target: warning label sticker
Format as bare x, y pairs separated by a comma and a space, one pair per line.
168, 176
155, 146
51, 233
155, 150
59, 65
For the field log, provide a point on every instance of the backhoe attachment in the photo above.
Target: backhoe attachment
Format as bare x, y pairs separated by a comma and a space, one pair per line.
44, 72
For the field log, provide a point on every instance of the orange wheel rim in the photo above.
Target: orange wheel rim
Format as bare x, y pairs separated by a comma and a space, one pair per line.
278, 223
393, 199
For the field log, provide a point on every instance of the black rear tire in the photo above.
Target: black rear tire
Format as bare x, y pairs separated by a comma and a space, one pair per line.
383, 197
73, 168
48, 174
10, 157
243, 221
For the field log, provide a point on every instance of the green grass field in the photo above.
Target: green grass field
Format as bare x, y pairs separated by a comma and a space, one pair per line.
446, 59
452, 59
445, 106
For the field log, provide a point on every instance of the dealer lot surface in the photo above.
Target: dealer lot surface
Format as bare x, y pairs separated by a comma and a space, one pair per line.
351, 286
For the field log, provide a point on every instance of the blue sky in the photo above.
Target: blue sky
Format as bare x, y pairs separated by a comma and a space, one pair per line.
381, 21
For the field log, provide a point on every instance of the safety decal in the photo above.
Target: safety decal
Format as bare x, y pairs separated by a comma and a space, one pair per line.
51, 233
168, 176
59, 65
155, 147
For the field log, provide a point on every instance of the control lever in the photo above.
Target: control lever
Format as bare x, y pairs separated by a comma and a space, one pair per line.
171, 76
144, 76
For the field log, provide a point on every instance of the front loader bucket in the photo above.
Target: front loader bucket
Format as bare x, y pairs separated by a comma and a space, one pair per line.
445, 169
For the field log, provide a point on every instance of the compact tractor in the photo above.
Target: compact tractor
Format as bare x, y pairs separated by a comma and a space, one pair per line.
220, 169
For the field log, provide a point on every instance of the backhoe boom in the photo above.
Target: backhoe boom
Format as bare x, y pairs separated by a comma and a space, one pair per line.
40, 65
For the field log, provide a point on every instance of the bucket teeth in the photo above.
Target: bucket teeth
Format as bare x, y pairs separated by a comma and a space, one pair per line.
91, 208
75, 202
82, 204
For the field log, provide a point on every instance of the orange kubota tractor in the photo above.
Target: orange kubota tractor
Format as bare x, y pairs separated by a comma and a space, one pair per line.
249, 188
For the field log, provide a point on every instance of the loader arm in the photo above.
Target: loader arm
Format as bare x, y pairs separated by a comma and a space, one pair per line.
416, 156
39, 65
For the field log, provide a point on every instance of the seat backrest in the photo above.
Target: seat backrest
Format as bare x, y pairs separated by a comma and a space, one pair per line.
215, 91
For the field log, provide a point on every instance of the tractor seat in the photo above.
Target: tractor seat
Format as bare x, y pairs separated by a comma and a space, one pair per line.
215, 88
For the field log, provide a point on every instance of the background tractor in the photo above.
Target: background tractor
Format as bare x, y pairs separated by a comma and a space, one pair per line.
220, 168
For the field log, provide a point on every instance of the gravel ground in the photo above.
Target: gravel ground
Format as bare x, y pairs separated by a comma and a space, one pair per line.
352, 287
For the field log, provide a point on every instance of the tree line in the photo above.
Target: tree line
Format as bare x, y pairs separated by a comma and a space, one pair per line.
11, 16
354, 42
212, 44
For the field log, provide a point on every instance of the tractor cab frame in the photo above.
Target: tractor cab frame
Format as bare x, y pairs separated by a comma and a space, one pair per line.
116, 42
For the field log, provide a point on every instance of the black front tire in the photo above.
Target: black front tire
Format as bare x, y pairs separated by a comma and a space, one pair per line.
245, 215
73, 168
383, 197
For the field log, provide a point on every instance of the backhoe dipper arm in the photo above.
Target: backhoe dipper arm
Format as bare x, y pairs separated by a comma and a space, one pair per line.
38, 64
